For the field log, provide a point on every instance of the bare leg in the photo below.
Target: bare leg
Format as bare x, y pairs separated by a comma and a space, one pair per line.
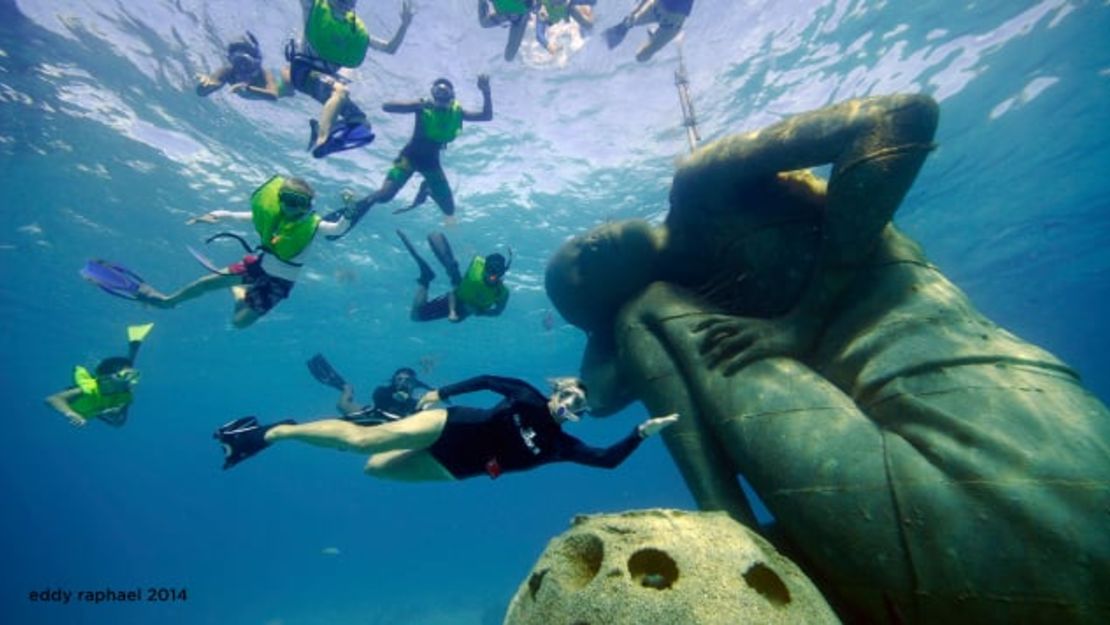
410, 465
331, 109
244, 315
418, 301
194, 289
484, 18
416, 431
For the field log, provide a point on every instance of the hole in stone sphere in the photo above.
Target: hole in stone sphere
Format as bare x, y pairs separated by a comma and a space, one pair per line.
535, 581
652, 568
581, 556
767, 583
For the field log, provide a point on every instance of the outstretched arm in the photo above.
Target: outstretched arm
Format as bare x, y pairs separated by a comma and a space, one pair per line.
508, 387
390, 47
486, 113
412, 106
210, 83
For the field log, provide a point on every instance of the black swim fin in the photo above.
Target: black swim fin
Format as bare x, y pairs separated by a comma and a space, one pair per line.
442, 249
243, 438
322, 370
615, 35
426, 273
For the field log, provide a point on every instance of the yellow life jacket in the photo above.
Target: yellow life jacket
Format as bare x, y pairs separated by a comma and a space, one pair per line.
91, 402
342, 40
441, 125
473, 290
510, 7
556, 12
280, 236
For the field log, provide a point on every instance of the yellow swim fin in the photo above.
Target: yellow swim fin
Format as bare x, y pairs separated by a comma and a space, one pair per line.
138, 333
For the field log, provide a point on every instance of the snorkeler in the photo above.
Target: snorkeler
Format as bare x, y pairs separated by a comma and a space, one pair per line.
245, 74
335, 37
390, 401
481, 291
668, 14
281, 212
437, 123
521, 432
492, 13
551, 12
105, 393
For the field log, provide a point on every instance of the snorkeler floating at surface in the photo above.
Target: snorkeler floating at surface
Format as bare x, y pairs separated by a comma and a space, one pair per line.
105, 393
334, 37
481, 291
670, 15
514, 13
437, 123
521, 432
551, 12
390, 402
281, 212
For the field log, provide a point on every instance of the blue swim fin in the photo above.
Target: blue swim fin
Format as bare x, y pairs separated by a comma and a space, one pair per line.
344, 136
112, 278
614, 35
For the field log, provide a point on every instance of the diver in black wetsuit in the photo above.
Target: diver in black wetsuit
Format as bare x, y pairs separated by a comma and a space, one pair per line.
521, 432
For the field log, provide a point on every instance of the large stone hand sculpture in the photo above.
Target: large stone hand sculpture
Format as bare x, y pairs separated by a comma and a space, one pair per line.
923, 464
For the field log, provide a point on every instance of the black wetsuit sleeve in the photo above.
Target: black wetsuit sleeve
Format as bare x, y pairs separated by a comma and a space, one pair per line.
573, 450
511, 388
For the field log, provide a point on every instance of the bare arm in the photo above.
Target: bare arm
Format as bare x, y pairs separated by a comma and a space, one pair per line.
210, 83
60, 401
486, 114
390, 47
254, 92
413, 106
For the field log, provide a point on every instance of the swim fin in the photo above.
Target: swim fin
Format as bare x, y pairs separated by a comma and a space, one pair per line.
322, 370
112, 278
442, 249
243, 438
344, 136
139, 332
614, 35
426, 273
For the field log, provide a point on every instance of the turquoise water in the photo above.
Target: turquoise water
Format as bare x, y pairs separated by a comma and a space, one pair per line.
105, 151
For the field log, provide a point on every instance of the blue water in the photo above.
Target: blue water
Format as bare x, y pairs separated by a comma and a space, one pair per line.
105, 151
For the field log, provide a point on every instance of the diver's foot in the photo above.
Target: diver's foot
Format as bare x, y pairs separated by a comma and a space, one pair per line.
149, 295
615, 34
243, 438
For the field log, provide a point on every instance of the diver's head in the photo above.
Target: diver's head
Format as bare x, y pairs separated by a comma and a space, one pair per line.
592, 275
116, 374
494, 271
443, 92
342, 6
567, 401
245, 58
296, 198
403, 379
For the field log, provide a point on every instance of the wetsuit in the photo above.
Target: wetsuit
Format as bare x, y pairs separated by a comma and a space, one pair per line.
385, 408
517, 434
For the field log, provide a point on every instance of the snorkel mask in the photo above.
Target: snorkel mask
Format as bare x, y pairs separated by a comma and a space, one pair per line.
496, 267
570, 400
443, 92
245, 57
296, 198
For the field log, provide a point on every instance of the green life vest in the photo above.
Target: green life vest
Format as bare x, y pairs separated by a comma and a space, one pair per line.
91, 402
441, 125
281, 237
340, 40
510, 7
473, 290
556, 12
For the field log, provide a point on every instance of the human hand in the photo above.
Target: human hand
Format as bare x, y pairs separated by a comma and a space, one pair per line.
734, 342
429, 398
75, 419
653, 426
406, 11
207, 218
206, 81
483, 83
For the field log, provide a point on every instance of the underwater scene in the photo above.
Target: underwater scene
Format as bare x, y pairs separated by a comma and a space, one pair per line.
338, 312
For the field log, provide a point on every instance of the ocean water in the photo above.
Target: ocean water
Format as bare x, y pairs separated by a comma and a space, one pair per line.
105, 151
